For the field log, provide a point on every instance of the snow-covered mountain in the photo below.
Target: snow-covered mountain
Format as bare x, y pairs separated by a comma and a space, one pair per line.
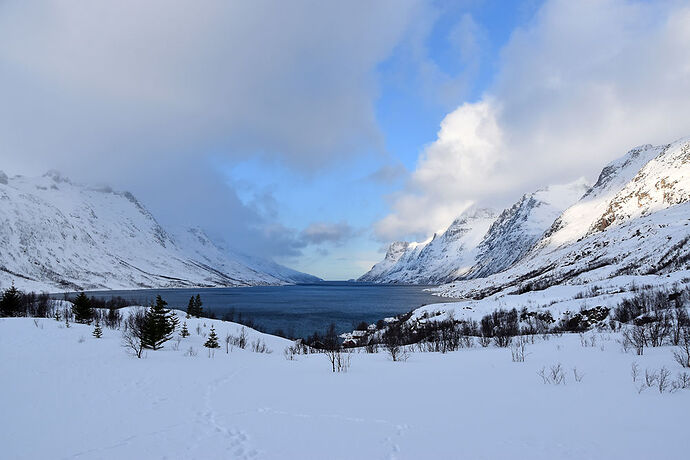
519, 227
479, 242
633, 221
56, 235
444, 257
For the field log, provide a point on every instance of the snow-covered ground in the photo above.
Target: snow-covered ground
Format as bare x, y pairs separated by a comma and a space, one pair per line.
64, 397
557, 299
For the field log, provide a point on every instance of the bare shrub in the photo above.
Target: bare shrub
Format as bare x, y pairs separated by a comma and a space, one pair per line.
657, 329
190, 352
555, 375
342, 361
339, 359
663, 381
682, 352
577, 375
681, 382
518, 350
242, 339
227, 339
133, 332
371, 346
289, 353
396, 351
650, 377
259, 346
484, 341
392, 341
634, 371
634, 337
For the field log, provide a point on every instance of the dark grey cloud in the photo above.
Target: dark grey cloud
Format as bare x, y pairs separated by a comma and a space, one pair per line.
388, 174
155, 79
328, 232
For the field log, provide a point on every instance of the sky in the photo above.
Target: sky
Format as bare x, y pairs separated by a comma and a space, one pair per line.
315, 133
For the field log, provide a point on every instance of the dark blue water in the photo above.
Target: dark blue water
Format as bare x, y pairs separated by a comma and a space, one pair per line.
297, 310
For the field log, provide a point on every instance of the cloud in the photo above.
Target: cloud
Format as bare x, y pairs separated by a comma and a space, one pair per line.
148, 96
387, 174
327, 232
579, 86
153, 79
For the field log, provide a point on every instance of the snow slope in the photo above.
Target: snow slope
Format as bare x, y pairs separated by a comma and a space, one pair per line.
55, 235
634, 221
64, 397
445, 257
519, 227
479, 242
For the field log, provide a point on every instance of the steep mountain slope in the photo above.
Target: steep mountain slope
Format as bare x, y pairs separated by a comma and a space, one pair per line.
634, 221
478, 243
56, 235
445, 257
519, 227
395, 251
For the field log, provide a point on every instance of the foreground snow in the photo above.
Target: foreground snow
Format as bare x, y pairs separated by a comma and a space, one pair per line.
67, 398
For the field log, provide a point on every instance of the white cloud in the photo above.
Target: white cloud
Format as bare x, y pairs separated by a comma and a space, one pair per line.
583, 83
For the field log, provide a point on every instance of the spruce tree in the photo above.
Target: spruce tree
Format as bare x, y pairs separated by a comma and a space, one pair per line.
174, 320
158, 325
197, 306
184, 332
191, 308
81, 309
11, 302
98, 332
212, 341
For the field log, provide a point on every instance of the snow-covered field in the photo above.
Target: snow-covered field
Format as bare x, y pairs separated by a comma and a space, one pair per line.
63, 397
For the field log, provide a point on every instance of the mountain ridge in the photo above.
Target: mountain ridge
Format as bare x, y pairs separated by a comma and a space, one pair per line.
57, 235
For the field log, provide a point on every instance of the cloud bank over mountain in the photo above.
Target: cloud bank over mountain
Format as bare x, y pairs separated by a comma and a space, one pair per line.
153, 96
580, 83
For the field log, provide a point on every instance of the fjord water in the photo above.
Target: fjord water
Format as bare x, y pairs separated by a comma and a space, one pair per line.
300, 309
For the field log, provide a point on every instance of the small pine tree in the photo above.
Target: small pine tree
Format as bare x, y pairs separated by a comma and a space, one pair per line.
190, 308
98, 332
11, 302
212, 341
198, 306
184, 332
158, 325
174, 320
81, 309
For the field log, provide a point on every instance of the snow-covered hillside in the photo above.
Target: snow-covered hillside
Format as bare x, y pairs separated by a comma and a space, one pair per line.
634, 221
519, 227
65, 394
56, 235
445, 257
479, 242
